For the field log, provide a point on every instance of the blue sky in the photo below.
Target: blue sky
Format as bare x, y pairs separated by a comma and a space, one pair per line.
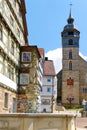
46, 19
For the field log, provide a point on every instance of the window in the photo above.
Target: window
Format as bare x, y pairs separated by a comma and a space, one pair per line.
12, 48
3, 66
45, 101
10, 72
11, 20
70, 33
48, 89
70, 65
70, 55
0, 32
24, 78
48, 80
44, 110
14, 3
14, 105
70, 42
20, 15
18, 32
84, 90
26, 56
6, 100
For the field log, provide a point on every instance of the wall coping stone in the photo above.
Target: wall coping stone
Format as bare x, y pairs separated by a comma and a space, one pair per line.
35, 115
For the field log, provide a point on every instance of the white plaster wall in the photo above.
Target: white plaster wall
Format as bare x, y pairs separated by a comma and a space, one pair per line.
6, 81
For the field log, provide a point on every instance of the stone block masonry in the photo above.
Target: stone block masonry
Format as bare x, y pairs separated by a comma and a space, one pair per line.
52, 121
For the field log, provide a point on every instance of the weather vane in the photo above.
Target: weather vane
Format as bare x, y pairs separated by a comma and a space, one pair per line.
70, 4
70, 9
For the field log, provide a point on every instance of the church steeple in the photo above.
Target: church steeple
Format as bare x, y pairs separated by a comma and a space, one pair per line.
70, 62
70, 34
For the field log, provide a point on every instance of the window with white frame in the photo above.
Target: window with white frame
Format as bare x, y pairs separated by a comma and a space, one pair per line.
24, 78
20, 14
84, 90
14, 2
18, 32
45, 101
11, 20
48, 79
10, 72
3, 66
48, 89
14, 104
12, 47
6, 100
26, 56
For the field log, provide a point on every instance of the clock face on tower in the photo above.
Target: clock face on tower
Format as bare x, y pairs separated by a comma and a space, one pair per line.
70, 82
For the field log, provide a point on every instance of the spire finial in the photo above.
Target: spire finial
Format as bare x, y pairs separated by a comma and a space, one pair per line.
70, 19
70, 10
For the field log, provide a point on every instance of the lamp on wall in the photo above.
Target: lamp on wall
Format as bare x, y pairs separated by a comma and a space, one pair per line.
70, 99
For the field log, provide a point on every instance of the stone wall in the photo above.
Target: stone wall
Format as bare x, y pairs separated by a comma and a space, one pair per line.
83, 79
51, 121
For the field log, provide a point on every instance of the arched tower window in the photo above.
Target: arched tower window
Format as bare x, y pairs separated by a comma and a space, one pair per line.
70, 54
70, 42
70, 65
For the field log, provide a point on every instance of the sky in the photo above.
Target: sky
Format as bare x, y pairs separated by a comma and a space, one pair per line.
46, 20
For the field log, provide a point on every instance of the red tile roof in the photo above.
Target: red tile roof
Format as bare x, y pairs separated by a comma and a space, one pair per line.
41, 51
26, 44
49, 69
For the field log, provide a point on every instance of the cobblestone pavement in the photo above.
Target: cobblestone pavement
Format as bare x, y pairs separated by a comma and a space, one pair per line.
81, 123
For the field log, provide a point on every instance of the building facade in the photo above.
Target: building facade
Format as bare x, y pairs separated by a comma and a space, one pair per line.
13, 34
73, 85
47, 93
40, 75
22, 67
29, 83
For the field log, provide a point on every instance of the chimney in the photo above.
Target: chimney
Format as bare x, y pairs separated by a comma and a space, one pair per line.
46, 58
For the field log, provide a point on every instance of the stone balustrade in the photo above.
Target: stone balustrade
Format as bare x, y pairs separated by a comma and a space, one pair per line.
35, 121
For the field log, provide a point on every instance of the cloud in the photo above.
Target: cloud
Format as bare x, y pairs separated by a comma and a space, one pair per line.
84, 57
56, 56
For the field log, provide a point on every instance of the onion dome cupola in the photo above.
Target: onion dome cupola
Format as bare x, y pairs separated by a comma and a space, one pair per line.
70, 34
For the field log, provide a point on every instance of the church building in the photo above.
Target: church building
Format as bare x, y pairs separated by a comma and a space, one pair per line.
72, 79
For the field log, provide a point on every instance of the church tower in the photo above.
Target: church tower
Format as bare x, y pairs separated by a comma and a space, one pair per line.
70, 64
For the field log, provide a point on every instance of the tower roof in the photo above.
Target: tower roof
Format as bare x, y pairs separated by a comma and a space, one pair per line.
70, 22
70, 26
